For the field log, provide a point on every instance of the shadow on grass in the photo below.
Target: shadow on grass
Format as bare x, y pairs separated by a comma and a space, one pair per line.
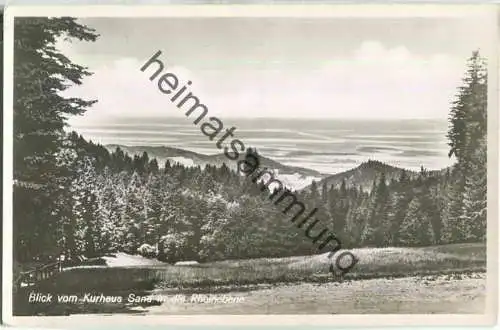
90, 283
234, 276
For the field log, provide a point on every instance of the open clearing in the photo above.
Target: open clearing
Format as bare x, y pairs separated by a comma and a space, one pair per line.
437, 279
411, 295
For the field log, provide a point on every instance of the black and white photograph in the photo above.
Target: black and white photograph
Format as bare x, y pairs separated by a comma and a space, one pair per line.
250, 164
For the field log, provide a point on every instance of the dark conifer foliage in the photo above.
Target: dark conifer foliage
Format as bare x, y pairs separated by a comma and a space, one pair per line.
41, 171
468, 143
76, 197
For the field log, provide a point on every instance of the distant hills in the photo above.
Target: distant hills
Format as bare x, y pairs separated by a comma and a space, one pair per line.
292, 176
365, 174
161, 153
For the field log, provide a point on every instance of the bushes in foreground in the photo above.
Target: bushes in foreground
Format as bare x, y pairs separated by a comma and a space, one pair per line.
147, 251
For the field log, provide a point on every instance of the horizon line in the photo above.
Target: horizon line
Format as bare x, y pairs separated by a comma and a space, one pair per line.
280, 118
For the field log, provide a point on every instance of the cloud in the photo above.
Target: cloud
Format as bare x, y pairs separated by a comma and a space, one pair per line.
122, 90
374, 81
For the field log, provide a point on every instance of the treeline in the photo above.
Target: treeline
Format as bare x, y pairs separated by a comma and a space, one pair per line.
118, 203
408, 211
73, 196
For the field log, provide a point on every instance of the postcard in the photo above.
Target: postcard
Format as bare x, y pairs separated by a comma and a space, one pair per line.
251, 164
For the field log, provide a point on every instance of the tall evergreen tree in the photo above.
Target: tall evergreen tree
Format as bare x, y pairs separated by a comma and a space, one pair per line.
41, 73
416, 228
467, 141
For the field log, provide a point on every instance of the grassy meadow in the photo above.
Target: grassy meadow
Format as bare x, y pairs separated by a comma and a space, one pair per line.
448, 262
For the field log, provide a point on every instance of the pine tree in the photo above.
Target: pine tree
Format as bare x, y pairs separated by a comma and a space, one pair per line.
397, 206
134, 214
416, 228
376, 230
214, 224
109, 210
468, 114
314, 191
41, 73
474, 196
324, 191
467, 141
155, 200
453, 226
67, 159
86, 209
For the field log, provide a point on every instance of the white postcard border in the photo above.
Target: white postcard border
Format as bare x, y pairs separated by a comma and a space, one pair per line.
490, 13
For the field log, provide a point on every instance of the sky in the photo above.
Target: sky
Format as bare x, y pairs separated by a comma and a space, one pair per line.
359, 68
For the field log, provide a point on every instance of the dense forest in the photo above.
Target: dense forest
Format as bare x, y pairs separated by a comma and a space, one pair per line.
74, 196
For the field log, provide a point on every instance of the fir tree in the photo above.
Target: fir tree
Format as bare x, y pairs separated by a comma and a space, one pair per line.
41, 73
467, 141
416, 228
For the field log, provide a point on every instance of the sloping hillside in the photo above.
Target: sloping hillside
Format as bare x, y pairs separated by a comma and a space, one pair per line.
294, 177
364, 175
163, 153
291, 176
